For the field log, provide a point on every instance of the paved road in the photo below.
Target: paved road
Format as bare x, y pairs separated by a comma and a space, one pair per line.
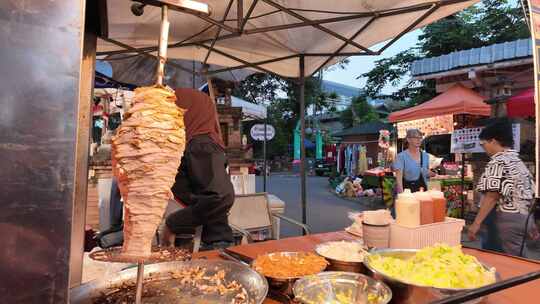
325, 211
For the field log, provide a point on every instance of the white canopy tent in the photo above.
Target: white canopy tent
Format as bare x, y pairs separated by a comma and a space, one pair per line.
250, 111
270, 35
290, 38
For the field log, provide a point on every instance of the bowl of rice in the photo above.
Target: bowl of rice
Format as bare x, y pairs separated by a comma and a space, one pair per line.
343, 255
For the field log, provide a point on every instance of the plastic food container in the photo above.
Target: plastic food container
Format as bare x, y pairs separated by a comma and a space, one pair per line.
447, 232
376, 236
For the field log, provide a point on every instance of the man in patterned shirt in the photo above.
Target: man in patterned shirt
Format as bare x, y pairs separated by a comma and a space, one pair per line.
507, 188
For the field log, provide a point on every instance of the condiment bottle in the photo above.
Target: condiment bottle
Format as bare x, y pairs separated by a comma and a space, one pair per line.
426, 207
439, 205
407, 209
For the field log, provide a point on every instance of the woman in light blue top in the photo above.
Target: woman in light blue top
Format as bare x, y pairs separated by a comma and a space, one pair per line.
412, 172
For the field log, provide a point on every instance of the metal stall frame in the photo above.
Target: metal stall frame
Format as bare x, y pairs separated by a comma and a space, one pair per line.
317, 24
69, 177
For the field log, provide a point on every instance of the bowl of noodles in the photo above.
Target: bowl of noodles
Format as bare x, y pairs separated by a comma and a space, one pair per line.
282, 269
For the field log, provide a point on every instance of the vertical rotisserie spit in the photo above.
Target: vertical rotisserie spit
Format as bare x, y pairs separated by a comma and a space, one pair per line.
147, 149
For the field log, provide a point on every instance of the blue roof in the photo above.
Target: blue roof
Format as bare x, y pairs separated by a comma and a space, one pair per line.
478, 56
340, 89
104, 68
365, 129
102, 81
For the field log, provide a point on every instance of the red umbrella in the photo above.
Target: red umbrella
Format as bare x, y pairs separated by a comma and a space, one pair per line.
521, 105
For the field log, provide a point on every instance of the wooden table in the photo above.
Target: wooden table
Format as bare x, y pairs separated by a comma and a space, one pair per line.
507, 266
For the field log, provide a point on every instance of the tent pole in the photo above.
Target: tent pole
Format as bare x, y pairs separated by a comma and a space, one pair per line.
302, 139
264, 151
463, 185
163, 43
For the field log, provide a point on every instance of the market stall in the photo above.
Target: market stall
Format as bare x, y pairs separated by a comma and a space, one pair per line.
291, 259
270, 37
521, 104
455, 109
274, 38
364, 156
507, 267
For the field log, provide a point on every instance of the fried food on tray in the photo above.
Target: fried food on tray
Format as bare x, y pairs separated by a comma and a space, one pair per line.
289, 265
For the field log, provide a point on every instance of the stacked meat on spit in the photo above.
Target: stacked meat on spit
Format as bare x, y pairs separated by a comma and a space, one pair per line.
147, 150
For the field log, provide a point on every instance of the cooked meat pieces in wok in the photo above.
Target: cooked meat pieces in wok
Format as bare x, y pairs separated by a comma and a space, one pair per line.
189, 283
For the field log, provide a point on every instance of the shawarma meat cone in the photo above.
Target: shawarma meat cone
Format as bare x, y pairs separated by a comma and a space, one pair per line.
147, 149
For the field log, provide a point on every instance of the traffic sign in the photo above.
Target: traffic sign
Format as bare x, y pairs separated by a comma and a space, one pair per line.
257, 132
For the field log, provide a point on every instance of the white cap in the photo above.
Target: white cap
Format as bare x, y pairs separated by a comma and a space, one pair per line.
406, 194
436, 193
420, 195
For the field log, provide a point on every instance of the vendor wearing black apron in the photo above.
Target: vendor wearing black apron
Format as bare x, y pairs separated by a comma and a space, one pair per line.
202, 184
412, 165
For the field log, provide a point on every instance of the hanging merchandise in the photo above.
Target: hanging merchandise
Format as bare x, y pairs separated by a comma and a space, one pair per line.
384, 139
384, 158
347, 160
362, 161
338, 160
341, 162
350, 162
354, 163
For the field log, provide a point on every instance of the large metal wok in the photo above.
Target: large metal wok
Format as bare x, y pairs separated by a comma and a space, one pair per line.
402, 290
167, 292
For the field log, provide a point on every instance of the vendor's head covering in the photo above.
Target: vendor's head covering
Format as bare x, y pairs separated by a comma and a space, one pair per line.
414, 133
201, 116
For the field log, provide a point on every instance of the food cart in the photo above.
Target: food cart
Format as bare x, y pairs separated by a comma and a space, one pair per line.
507, 266
457, 108
50, 61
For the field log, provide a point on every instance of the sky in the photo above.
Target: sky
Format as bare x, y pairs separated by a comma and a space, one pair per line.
362, 64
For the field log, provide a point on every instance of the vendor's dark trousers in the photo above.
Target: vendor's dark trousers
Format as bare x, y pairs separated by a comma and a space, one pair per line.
203, 184
505, 232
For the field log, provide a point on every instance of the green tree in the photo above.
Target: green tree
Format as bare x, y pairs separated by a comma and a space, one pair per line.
360, 111
453, 33
492, 21
389, 71
501, 22
260, 88
283, 113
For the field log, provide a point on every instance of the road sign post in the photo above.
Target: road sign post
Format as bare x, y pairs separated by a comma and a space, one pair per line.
263, 132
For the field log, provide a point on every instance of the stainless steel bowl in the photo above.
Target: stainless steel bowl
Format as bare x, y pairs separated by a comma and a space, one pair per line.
255, 285
401, 289
341, 287
339, 265
285, 285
